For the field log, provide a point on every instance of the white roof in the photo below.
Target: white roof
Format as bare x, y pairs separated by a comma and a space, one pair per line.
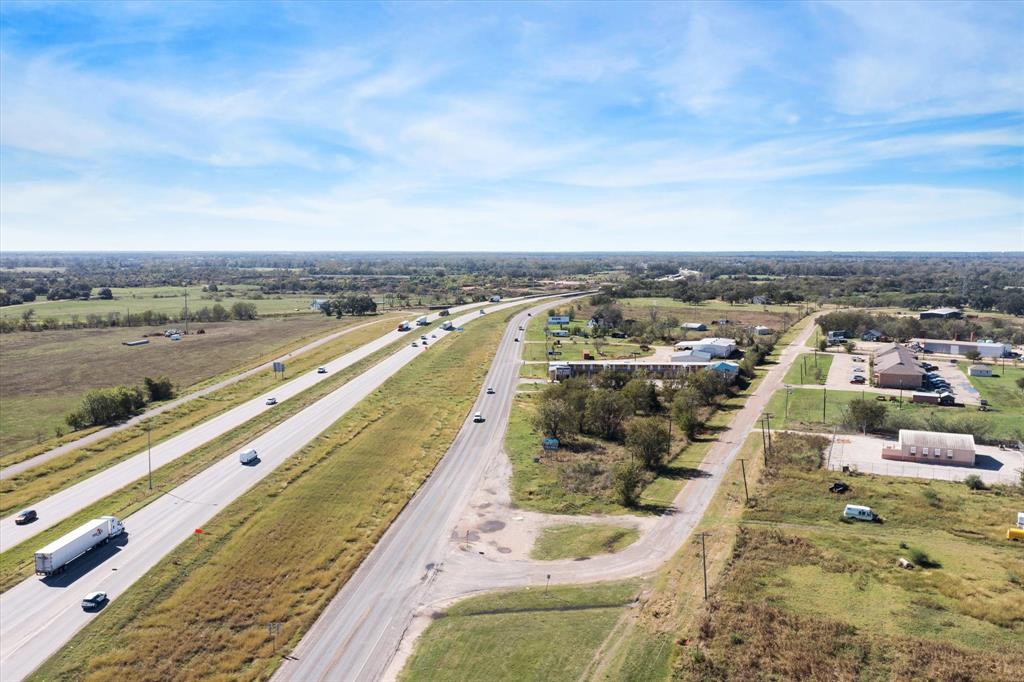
936, 439
717, 341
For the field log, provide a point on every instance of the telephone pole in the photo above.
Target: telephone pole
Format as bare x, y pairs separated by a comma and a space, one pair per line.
704, 563
746, 494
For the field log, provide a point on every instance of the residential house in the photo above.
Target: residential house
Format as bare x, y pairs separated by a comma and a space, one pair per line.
872, 335
695, 326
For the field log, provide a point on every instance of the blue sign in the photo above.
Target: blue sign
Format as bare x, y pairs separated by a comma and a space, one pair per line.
279, 367
550, 443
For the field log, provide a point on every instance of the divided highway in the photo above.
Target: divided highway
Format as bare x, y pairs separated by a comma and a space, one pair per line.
355, 636
38, 616
63, 504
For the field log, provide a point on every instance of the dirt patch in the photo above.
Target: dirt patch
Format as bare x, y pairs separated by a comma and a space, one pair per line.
491, 526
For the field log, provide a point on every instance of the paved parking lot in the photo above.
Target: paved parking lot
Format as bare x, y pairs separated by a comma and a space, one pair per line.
958, 382
842, 369
864, 453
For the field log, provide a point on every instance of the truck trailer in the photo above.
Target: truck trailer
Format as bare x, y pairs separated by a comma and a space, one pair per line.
404, 327
422, 321
58, 554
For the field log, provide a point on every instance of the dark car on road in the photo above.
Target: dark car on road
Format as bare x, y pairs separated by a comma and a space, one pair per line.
27, 516
94, 600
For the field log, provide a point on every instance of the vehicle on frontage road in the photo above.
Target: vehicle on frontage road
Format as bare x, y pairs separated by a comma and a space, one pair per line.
58, 554
321, 370
490, 390
27, 516
271, 401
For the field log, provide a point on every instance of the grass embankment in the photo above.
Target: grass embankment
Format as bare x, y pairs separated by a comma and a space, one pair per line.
573, 348
959, 617
16, 563
804, 411
280, 552
60, 472
577, 541
809, 368
1005, 399
43, 375
532, 634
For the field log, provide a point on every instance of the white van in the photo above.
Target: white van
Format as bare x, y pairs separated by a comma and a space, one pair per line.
247, 457
859, 513
477, 417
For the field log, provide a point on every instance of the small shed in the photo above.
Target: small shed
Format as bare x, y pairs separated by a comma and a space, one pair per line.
980, 370
695, 326
762, 330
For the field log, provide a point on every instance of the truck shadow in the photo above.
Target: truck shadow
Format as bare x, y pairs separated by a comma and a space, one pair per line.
87, 562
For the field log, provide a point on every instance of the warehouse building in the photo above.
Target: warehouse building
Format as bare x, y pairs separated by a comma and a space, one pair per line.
942, 314
558, 371
895, 367
695, 326
986, 349
931, 447
716, 347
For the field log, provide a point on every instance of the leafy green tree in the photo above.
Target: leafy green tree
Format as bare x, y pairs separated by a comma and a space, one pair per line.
648, 441
641, 395
105, 293
627, 481
160, 388
555, 419
686, 412
606, 412
866, 415
243, 311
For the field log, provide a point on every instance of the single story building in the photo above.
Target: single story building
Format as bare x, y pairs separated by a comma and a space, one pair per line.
942, 314
932, 447
557, 371
944, 398
716, 347
761, 330
725, 367
760, 300
695, 326
896, 367
560, 333
986, 349
980, 370
872, 335
558, 319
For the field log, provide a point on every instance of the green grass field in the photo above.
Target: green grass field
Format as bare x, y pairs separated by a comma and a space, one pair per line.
575, 541
265, 557
1000, 389
524, 635
804, 411
573, 349
809, 368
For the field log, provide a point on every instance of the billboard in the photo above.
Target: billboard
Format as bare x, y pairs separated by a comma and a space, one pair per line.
558, 319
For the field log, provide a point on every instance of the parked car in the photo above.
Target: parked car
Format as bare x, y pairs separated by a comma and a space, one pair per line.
857, 358
27, 516
271, 401
94, 600
321, 370
857, 379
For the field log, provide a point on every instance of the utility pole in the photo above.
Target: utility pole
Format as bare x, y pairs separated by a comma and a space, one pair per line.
704, 562
764, 443
149, 452
768, 422
186, 310
824, 401
746, 494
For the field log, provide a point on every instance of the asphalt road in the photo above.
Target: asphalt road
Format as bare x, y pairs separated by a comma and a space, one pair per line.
63, 504
38, 616
27, 464
355, 636
417, 563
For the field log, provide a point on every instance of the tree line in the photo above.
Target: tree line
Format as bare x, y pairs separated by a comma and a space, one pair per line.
105, 406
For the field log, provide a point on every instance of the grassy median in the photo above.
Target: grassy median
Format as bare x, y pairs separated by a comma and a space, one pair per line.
581, 540
281, 551
39, 482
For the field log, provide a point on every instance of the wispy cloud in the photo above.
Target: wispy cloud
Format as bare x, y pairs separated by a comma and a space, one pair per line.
511, 126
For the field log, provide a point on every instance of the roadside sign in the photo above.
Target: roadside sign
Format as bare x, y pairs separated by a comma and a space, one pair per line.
279, 367
550, 443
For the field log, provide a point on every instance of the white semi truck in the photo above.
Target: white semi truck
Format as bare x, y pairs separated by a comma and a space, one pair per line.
422, 321
55, 556
404, 327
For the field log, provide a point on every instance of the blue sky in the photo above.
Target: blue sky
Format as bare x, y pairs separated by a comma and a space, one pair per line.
527, 127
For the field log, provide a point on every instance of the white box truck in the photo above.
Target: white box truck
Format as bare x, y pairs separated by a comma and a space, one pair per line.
447, 325
248, 456
422, 321
59, 553
404, 327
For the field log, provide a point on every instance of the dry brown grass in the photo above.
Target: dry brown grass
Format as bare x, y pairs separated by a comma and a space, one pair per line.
284, 549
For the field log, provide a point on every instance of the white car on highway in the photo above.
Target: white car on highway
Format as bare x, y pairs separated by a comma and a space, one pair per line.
271, 401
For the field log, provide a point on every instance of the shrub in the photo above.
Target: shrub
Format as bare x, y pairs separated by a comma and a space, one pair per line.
922, 559
974, 482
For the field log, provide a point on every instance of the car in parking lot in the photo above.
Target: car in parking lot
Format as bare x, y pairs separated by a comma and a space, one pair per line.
857, 379
94, 600
858, 369
27, 516
857, 358
321, 370
271, 401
